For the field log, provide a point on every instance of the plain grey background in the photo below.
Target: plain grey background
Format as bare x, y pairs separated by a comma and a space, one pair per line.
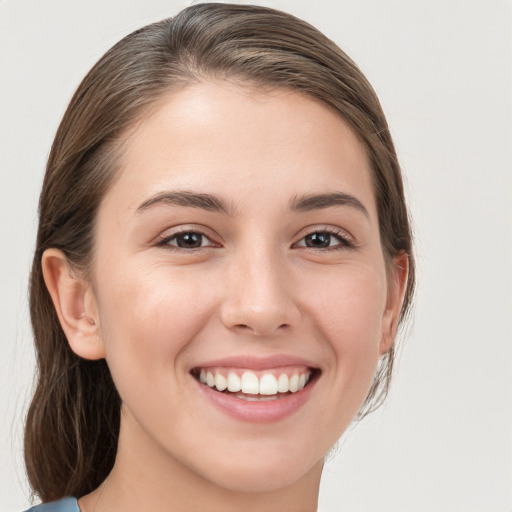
442, 69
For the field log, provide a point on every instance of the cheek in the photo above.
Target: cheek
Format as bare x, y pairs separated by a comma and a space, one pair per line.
348, 314
147, 321
149, 318
349, 307
350, 319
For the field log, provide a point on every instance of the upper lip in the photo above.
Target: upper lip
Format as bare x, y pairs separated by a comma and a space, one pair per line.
257, 362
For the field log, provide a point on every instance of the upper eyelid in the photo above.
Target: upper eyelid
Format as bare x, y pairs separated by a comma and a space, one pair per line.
333, 230
172, 232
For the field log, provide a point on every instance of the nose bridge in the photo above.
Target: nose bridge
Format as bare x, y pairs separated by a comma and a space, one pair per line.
259, 292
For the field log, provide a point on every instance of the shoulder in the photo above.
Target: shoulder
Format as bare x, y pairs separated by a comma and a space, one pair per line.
63, 505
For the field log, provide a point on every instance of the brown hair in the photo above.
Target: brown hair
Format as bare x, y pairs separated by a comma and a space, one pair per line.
73, 421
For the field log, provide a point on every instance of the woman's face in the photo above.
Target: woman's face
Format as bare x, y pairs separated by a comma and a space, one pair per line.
240, 245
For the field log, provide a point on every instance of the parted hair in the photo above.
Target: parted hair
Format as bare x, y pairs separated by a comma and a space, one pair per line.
72, 425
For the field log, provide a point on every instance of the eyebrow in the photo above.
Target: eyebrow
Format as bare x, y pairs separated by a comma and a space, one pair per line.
211, 202
320, 201
208, 202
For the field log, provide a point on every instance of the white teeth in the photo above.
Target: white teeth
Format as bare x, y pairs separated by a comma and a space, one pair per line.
221, 382
234, 384
250, 383
294, 383
283, 383
257, 398
268, 385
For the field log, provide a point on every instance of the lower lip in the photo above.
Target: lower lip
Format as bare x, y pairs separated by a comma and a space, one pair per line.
258, 411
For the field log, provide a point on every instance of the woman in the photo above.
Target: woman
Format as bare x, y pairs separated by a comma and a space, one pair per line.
222, 262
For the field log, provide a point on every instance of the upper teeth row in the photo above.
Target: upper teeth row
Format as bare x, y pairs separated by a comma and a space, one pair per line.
268, 384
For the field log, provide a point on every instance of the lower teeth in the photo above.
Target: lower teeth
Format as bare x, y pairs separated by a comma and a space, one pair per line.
258, 398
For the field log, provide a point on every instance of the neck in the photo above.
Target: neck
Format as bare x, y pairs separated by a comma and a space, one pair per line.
144, 477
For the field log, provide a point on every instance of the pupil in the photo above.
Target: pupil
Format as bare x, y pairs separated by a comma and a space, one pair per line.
189, 240
318, 240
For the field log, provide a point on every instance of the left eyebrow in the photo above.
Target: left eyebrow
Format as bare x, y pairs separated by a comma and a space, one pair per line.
320, 201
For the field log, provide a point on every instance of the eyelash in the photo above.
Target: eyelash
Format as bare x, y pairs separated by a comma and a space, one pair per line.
165, 242
344, 242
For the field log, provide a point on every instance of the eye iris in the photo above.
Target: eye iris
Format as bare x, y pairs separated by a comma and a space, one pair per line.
189, 240
318, 240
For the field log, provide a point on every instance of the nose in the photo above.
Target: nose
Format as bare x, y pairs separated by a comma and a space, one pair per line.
259, 295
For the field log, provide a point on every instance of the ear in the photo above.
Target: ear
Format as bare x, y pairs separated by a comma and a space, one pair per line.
397, 284
75, 304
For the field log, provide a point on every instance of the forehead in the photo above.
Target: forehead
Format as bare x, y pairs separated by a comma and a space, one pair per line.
228, 139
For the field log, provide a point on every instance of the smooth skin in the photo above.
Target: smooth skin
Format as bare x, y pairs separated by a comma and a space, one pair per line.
258, 272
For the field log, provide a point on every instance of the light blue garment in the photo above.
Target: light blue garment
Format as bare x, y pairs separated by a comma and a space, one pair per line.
63, 505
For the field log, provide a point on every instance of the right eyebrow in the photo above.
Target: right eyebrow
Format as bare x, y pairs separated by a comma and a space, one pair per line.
188, 199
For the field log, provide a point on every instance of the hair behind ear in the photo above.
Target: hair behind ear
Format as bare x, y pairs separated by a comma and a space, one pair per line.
72, 424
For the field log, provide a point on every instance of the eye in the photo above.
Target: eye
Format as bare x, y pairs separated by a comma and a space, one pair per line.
325, 240
187, 240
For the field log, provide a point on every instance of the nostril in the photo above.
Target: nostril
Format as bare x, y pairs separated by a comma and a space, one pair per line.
262, 330
262, 319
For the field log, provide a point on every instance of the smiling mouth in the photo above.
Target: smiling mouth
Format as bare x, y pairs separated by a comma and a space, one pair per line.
255, 386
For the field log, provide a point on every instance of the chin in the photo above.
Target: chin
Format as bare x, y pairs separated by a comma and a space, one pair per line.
268, 469
262, 478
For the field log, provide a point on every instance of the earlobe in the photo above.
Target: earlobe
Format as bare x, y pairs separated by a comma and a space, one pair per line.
397, 286
75, 304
